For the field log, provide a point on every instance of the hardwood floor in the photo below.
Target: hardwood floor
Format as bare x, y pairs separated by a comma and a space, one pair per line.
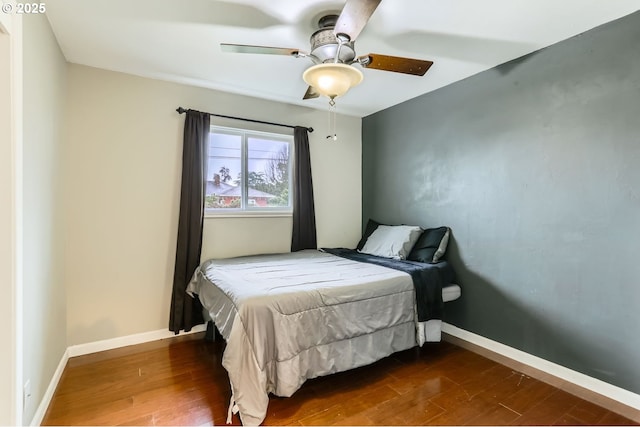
181, 381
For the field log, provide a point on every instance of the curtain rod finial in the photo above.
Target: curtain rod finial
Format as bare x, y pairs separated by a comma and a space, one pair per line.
181, 110
310, 129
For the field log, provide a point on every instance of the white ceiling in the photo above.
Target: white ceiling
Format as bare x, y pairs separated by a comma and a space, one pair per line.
178, 40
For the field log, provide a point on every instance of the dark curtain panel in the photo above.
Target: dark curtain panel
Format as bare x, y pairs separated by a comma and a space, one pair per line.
186, 312
304, 217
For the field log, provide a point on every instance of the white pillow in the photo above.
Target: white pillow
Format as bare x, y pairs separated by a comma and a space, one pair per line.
392, 241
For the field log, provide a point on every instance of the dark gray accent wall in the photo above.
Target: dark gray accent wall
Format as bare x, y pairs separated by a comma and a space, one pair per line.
535, 165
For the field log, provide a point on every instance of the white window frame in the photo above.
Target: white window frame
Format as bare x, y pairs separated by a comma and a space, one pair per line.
245, 208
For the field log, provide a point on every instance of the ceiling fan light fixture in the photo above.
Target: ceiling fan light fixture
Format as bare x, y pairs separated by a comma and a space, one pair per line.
331, 79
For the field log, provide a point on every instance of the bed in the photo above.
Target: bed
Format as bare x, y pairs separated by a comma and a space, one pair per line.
290, 317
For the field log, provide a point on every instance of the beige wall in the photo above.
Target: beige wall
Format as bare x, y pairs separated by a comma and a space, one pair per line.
7, 248
122, 177
10, 208
45, 337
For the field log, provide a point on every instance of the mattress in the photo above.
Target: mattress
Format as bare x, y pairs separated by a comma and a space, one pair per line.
290, 317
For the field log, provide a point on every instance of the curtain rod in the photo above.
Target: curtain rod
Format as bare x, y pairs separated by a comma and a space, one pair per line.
181, 110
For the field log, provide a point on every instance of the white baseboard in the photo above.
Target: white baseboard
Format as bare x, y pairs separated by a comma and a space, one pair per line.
48, 394
94, 347
558, 372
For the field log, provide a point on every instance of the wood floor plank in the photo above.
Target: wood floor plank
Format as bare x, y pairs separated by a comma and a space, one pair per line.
498, 415
423, 383
181, 381
568, 420
549, 410
505, 388
475, 383
145, 420
587, 413
403, 410
463, 412
527, 396
452, 398
613, 419
354, 420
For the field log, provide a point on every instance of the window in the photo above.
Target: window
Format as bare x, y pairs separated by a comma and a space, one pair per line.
248, 171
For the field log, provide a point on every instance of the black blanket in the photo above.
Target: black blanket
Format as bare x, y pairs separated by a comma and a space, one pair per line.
428, 279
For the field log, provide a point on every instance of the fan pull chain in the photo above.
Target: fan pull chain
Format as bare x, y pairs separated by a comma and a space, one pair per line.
332, 120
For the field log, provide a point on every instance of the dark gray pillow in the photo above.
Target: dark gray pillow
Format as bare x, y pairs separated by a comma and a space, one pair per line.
368, 231
431, 245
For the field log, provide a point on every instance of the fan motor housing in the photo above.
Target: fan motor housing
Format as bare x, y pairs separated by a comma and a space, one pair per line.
324, 44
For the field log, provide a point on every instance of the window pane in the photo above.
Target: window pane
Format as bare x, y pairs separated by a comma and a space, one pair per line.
224, 172
248, 171
268, 172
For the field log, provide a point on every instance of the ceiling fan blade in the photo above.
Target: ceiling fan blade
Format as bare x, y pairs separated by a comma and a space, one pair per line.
354, 17
243, 48
416, 67
311, 93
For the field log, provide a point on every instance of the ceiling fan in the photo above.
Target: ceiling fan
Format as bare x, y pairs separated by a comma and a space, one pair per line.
334, 55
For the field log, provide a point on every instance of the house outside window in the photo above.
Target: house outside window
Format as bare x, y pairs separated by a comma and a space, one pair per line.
248, 172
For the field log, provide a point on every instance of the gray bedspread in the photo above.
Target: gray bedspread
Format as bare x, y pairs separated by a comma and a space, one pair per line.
290, 317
